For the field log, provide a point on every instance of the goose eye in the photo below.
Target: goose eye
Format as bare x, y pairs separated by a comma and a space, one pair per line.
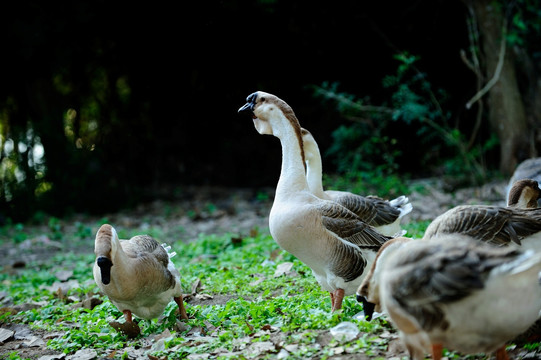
262, 99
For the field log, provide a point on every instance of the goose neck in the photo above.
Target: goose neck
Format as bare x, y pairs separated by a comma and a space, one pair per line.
293, 173
314, 173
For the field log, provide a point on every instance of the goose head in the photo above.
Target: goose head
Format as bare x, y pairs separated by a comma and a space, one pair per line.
270, 113
524, 194
368, 292
105, 247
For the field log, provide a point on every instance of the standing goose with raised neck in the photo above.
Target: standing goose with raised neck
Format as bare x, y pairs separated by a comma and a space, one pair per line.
334, 242
384, 215
137, 275
455, 292
514, 225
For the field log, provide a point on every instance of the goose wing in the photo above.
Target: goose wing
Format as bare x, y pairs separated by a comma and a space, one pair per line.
426, 275
145, 245
493, 224
349, 226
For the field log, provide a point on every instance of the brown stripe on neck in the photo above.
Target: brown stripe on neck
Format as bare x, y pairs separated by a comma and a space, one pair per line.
290, 115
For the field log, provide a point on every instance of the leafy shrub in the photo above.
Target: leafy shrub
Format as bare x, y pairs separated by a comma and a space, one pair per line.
363, 150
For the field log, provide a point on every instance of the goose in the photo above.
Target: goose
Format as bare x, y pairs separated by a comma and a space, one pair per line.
528, 169
384, 215
368, 291
524, 194
330, 239
456, 292
518, 224
137, 275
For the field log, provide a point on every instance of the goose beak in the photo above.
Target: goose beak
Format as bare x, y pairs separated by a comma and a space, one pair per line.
368, 307
248, 107
105, 265
250, 104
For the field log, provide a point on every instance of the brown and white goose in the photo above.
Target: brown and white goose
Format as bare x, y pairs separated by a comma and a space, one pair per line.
455, 292
528, 169
516, 225
382, 214
334, 242
137, 275
524, 194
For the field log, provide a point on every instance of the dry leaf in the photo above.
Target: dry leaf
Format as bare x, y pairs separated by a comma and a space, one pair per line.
83, 354
5, 334
196, 285
34, 341
63, 275
283, 268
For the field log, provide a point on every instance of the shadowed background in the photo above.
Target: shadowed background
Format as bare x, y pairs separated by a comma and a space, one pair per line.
106, 104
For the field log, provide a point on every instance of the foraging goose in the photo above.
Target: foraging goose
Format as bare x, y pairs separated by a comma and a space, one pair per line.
456, 292
528, 169
137, 275
382, 214
334, 242
496, 225
368, 291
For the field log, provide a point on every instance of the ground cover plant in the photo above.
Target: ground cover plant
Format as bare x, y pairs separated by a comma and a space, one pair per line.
245, 297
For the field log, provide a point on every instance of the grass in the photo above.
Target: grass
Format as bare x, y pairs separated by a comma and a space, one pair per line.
262, 304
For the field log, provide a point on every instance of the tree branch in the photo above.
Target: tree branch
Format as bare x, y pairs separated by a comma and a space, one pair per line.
497, 72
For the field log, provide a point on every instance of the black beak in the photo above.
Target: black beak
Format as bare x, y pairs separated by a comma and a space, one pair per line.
105, 268
250, 104
368, 307
248, 107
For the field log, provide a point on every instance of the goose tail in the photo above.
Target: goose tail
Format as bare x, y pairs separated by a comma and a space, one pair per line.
403, 204
168, 249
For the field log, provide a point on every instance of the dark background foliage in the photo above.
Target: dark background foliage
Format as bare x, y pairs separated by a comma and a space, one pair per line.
132, 100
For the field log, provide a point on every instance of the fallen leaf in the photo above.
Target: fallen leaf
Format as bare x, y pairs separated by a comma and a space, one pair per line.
345, 331
5, 334
259, 348
198, 356
53, 335
283, 269
83, 354
257, 282
203, 296
62, 287
34, 341
196, 285
52, 357
274, 254
91, 303
63, 275
283, 354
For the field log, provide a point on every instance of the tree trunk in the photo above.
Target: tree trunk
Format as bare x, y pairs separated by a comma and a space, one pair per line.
506, 109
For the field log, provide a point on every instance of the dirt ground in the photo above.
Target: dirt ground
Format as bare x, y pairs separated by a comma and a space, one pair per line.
212, 211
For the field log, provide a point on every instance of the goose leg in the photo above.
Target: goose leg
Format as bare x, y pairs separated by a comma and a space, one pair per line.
128, 327
181, 307
501, 354
437, 351
338, 297
332, 300
127, 315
